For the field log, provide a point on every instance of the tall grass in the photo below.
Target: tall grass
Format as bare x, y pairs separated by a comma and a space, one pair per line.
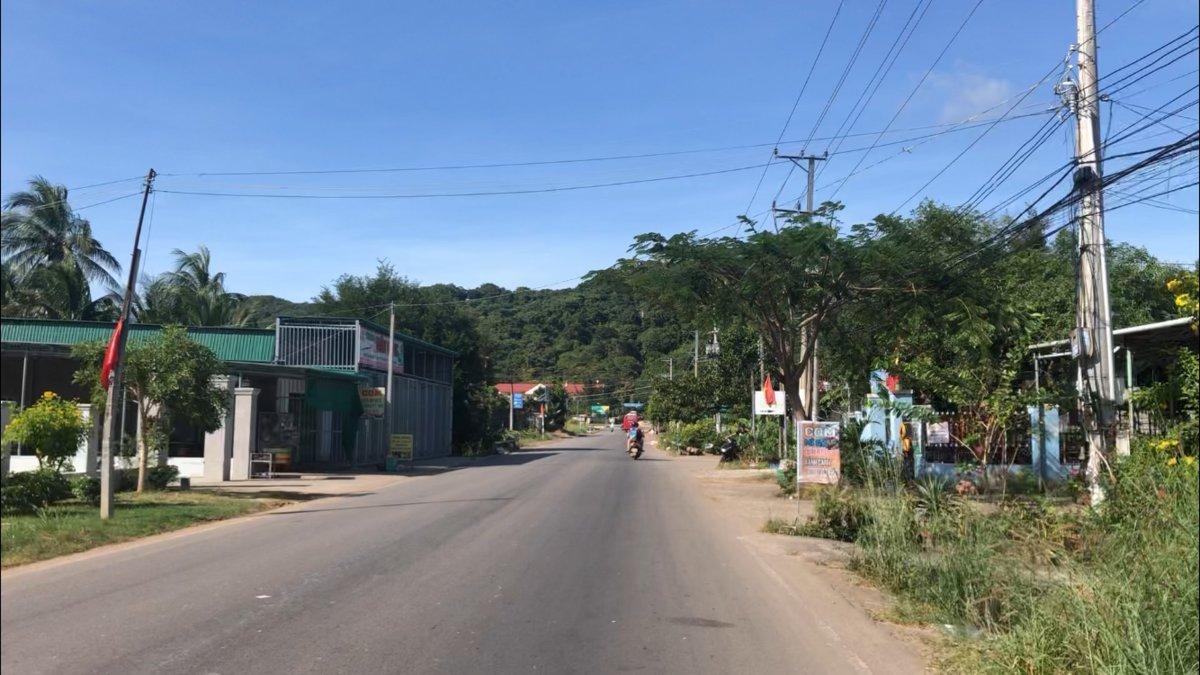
1051, 589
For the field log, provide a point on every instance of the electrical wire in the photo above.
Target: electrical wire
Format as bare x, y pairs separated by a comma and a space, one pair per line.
481, 193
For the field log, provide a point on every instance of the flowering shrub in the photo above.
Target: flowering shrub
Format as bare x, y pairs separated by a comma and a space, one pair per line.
52, 428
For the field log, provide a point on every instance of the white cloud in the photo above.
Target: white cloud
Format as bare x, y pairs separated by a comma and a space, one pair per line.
965, 91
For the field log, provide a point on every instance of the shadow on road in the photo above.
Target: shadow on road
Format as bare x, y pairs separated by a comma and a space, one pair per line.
387, 506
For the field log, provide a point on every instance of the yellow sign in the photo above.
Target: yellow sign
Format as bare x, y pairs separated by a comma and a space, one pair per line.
401, 446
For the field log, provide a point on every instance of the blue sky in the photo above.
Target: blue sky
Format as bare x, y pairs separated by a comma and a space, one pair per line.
96, 91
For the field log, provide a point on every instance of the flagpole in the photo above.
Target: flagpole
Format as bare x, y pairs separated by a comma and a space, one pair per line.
115, 363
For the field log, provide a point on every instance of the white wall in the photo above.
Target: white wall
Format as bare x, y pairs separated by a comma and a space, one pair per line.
189, 467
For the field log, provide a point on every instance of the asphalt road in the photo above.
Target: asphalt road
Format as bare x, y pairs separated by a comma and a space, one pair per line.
570, 558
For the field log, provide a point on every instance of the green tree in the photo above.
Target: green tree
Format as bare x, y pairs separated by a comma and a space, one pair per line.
41, 230
786, 285
170, 376
53, 428
435, 315
190, 294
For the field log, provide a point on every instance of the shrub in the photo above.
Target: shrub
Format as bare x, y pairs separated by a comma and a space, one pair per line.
786, 476
840, 514
30, 491
699, 436
53, 428
159, 477
86, 489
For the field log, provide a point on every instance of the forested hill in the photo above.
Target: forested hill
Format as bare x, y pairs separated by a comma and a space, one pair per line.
585, 333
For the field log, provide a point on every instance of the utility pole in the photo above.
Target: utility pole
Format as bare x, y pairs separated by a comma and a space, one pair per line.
387, 413
670, 367
696, 356
512, 395
810, 378
116, 400
1093, 335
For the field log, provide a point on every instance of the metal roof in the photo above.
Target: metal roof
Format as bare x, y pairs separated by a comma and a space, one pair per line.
250, 345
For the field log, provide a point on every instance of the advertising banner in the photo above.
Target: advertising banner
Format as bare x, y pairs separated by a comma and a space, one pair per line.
373, 399
777, 407
518, 401
373, 350
819, 456
599, 410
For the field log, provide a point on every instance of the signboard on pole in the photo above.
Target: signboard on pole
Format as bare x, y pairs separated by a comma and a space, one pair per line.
374, 401
778, 407
633, 406
518, 401
599, 410
373, 351
819, 456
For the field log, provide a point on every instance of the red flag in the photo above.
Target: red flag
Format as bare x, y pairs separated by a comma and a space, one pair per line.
768, 391
110, 355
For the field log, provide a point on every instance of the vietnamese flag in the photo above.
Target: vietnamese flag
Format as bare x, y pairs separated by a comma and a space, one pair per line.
768, 391
110, 354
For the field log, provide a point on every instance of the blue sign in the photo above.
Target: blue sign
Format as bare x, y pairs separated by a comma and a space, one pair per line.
518, 400
633, 406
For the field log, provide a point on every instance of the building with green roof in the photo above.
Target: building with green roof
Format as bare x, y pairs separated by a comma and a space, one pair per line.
301, 386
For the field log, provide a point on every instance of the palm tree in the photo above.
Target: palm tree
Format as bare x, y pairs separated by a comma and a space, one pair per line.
200, 294
40, 230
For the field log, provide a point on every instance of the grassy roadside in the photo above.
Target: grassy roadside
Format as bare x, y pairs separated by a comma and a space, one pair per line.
71, 527
1031, 584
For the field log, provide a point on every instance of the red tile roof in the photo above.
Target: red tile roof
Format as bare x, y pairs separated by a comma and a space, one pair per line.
506, 388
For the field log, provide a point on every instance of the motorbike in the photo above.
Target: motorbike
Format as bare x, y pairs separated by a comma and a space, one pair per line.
633, 445
730, 450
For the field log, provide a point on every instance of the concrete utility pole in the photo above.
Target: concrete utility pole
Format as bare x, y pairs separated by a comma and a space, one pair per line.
387, 413
116, 388
810, 378
670, 367
1093, 335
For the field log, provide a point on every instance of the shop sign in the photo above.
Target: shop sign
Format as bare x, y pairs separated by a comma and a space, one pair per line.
401, 446
374, 401
819, 455
518, 401
938, 433
373, 351
777, 407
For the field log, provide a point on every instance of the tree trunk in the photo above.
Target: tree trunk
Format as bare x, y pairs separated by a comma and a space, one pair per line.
143, 446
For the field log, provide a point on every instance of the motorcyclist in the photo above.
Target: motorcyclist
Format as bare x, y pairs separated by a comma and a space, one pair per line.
635, 437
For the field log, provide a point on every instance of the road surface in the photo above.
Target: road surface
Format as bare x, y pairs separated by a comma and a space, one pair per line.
570, 558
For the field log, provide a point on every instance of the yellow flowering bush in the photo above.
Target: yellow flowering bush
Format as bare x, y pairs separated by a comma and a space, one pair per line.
53, 428
1186, 290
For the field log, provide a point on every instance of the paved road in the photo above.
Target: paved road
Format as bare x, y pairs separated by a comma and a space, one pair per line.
569, 558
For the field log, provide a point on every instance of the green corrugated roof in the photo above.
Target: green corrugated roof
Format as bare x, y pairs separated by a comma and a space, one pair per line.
229, 344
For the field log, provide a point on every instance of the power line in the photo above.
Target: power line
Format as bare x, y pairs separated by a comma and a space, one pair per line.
484, 193
920, 83
796, 103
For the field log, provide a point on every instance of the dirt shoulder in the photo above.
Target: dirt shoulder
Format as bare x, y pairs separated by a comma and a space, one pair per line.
815, 570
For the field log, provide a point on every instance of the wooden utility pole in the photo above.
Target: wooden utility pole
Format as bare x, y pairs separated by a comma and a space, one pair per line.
114, 406
1093, 343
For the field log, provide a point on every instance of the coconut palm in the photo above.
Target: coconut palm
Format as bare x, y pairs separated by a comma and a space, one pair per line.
40, 230
200, 293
